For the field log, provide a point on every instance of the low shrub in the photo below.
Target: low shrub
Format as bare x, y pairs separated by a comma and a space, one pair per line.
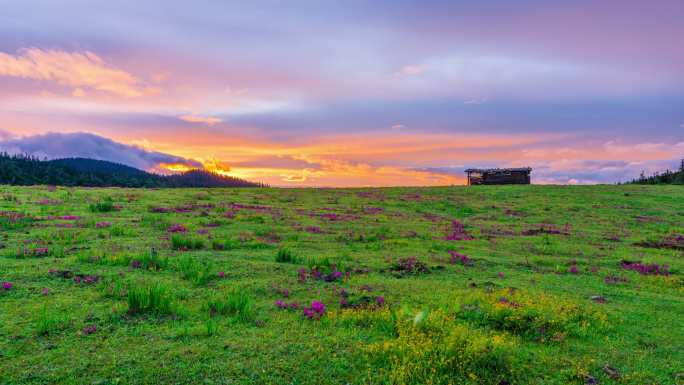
537, 316
432, 348
104, 206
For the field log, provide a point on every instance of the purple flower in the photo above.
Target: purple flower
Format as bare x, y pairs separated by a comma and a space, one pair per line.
335, 275
280, 304
458, 232
647, 269
7, 285
221, 274
314, 229
89, 330
315, 311
177, 228
458, 257
380, 300
573, 270
301, 275
102, 225
45, 291
501, 274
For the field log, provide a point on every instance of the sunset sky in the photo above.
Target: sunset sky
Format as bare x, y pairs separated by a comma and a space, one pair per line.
349, 93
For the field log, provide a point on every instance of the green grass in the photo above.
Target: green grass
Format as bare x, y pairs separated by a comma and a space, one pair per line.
286, 256
236, 303
150, 298
542, 296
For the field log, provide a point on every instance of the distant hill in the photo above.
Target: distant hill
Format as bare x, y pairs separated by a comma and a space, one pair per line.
666, 177
26, 170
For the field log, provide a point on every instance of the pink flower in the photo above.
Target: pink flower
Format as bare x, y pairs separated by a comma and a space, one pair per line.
380, 300
7, 285
501, 275
221, 274
45, 291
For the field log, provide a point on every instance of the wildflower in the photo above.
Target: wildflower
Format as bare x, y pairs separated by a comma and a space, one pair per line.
45, 291
335, 275
573, 270
7, 285
410, 265
222, 274
301, 275
69, 217
647, 269
102, 225
77, 279
501, 274
177, 228
280, 304
315, 311
314, 229
91, 278
458, 232
458, 257
89, 330
380, 300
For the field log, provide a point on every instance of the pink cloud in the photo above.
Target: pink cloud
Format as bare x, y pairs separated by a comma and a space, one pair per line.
72, 69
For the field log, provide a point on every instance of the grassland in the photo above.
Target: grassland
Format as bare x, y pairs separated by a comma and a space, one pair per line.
464, 285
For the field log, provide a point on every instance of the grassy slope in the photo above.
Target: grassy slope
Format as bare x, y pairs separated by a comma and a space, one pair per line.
642, 337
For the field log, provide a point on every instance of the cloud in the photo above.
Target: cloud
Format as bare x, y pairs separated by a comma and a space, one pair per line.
476, 101
84, 145
398, 126
411, 70
208, 120
73, 69
4, 135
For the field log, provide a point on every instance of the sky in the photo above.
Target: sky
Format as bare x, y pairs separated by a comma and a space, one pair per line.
348, 93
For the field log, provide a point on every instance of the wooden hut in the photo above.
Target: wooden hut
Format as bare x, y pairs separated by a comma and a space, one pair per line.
498, 175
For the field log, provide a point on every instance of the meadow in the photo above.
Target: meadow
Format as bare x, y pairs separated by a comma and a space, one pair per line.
453, 285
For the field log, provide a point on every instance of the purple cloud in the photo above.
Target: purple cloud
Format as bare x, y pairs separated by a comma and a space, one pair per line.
84, 145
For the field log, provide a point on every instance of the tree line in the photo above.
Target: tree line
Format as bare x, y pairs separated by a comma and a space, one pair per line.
26, 170
666, 177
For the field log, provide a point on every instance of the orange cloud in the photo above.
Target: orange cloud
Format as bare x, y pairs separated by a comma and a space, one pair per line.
208, 120
72, 69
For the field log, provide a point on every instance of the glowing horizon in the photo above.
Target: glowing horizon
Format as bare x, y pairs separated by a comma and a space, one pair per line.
349, 94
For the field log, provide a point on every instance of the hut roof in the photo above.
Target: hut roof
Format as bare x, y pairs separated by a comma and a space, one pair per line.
488, 170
